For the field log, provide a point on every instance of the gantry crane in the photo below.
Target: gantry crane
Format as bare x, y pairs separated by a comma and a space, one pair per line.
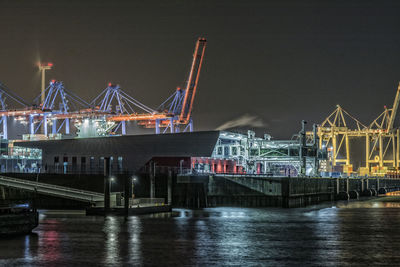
381, 139
334, 133
55, 104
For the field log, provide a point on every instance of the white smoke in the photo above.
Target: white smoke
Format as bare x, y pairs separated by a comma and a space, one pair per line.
244, 120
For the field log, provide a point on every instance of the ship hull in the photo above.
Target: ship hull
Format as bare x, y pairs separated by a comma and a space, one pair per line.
20, 223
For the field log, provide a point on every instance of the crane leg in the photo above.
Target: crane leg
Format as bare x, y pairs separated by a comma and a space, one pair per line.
172, 125
45, 124
191, 125
157, 126
5, 130
54, 127
123, 127
67, 126
31, 125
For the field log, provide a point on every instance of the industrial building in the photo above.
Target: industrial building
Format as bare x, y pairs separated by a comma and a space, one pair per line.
197, 152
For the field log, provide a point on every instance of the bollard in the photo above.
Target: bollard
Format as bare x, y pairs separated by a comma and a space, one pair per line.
337, 186
152, 179
106, 185
169, 186
126, 194
354, 194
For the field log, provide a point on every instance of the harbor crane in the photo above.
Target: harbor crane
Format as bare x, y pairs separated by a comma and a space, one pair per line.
381, 140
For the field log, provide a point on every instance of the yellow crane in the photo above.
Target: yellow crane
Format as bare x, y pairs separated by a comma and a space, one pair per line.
380, 138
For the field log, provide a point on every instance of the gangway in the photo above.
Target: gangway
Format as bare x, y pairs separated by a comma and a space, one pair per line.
52, 190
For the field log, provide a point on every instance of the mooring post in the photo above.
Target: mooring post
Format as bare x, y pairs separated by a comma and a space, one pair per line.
106, 184
347, 185
337, 186
152, 179
126, 194
362, 185
377, 183
366, 183
169, 186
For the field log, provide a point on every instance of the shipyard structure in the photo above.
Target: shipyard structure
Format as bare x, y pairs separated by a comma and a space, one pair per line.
64, 144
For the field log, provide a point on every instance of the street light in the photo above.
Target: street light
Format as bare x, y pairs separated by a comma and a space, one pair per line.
134, 179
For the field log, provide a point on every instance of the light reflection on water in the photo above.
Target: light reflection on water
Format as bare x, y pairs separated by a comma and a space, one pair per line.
349, 233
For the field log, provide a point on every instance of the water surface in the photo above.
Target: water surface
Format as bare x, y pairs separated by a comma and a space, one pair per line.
358, 233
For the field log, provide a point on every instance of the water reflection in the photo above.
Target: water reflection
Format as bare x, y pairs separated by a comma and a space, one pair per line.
49, 242
135, 255
111, 229
348, 233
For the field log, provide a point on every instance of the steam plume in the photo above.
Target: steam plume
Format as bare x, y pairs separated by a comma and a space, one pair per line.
244, 120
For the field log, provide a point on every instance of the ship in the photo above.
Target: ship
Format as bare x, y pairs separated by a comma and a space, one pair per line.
18, 218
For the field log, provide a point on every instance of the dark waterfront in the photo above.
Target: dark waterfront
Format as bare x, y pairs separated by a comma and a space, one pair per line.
358, 233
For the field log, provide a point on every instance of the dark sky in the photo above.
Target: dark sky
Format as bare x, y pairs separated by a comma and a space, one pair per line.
282, 61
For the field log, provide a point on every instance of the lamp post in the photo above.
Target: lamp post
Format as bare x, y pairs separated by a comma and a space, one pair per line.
111, 181
134, 179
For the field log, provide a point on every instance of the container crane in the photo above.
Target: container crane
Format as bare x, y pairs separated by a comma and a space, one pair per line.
180, 104
394, 109
381, 140
191, 85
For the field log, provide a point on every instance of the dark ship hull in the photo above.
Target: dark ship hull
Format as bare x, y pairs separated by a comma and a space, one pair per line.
14, 222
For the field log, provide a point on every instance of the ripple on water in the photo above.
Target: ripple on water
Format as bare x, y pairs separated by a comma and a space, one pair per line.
354, 233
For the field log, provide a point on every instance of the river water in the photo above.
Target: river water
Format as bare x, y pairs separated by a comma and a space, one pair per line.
357, 233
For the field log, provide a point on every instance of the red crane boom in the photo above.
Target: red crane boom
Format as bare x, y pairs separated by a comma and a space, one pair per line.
192, 82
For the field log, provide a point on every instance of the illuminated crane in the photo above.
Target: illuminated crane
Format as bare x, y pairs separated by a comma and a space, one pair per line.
334, 133
381, 139
113, 105
177, 109
179, 105
114, 101
4, 94
59, 104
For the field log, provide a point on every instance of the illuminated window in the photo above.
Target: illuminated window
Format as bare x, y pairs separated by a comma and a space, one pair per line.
226, 150
234, 151
91, 163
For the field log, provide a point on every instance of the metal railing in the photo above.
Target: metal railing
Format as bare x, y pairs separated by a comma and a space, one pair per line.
143, 202
52, 190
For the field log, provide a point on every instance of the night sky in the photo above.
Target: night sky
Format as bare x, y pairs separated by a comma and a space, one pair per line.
276, 61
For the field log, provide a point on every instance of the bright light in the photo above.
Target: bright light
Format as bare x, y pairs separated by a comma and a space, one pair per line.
112, 179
